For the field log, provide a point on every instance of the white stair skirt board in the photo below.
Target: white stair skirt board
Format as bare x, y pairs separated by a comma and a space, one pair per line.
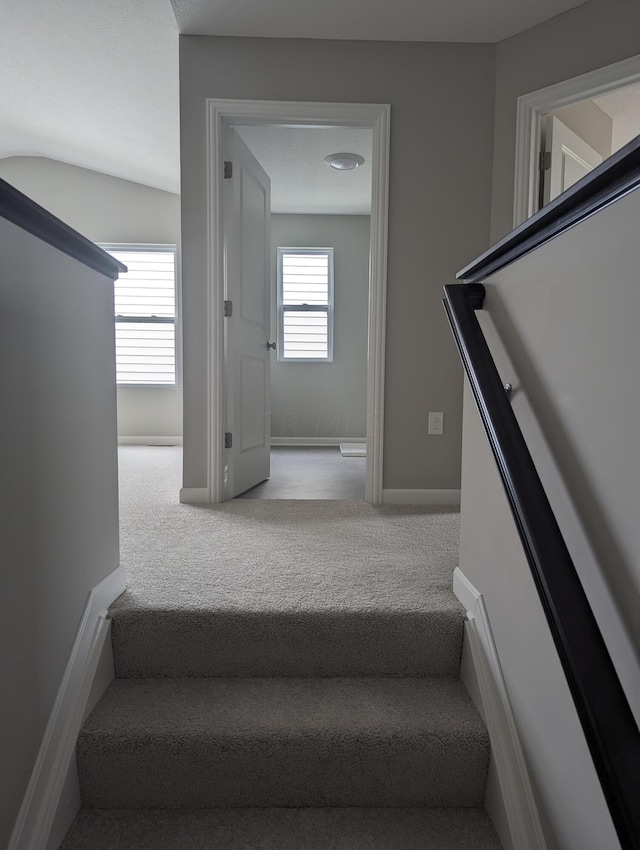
41, 799
149, 441
421, 497
194, 496
353, 449
520, 805
315, 441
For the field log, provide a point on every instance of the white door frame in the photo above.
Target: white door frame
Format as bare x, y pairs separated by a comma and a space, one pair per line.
297, 114
531, 108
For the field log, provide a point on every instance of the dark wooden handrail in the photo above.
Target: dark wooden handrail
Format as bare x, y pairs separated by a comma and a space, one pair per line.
26, 214
610, 181
607, 721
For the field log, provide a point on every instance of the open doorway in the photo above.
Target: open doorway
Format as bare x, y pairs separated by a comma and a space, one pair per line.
577, 138
356, 416
565, 130
318, 305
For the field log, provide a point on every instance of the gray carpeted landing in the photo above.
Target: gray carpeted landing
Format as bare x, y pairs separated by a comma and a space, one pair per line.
280, 587
283, 829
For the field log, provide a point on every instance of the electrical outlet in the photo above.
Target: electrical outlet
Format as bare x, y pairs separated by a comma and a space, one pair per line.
436, 423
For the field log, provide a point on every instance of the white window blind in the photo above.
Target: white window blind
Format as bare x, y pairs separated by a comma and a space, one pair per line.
305, 304
145, 315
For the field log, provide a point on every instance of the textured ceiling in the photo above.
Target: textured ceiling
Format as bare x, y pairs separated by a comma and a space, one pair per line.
373, 20
300, 180
95, 82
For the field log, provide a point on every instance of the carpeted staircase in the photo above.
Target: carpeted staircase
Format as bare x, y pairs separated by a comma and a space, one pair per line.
246, 716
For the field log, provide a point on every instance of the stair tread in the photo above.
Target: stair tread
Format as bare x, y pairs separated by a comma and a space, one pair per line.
229, 707
283, 829
201, 743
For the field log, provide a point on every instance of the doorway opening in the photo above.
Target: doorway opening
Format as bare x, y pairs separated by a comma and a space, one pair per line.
565, 130
264, 129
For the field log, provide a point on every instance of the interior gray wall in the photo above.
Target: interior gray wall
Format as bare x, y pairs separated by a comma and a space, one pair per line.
566, 315
110, 210
59, 484
441, 98
590, 123
326, 399
593, 35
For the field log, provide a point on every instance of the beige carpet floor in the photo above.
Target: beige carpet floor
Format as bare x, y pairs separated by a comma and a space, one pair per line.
283, 587
276, 555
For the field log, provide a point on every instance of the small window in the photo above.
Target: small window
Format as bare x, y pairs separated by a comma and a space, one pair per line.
145, 315
305, 304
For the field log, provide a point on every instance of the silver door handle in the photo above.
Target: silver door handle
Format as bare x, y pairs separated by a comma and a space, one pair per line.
271, 345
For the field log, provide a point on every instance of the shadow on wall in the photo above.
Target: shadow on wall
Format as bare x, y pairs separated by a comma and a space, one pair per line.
614, 566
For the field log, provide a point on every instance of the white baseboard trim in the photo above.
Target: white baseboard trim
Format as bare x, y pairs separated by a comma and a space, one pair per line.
421, 497
513, 776
194, 496
315, 441
149, 441
38, 810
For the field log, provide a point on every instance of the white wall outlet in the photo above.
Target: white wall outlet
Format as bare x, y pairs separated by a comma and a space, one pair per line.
436, 423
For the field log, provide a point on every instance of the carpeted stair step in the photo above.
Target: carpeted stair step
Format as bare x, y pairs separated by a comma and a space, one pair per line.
283, 829
199, 743
369, 642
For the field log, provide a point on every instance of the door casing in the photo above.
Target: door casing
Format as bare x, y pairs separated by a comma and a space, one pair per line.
376, 117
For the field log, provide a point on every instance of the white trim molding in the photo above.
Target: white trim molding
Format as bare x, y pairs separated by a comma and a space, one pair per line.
195, 496
531, 107
36, 816
376, 117
315, 441
149, 441
421, 497
513, 776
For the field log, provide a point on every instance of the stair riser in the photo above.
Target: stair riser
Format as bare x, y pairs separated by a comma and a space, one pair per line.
281, 773
166, 644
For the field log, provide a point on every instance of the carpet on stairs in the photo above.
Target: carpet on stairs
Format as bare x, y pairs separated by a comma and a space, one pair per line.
286, 677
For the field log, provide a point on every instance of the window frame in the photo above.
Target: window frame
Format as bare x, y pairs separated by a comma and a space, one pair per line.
149, 248
282, 308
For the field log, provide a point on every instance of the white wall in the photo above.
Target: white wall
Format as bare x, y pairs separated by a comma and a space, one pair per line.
567, 315
110, 210
58, 488
441, 98
327, 399
595, 34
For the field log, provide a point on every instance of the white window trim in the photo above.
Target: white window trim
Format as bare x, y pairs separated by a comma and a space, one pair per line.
160, 247
299, 307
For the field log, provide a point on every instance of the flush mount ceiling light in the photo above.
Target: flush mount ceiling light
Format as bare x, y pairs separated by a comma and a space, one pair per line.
344, 161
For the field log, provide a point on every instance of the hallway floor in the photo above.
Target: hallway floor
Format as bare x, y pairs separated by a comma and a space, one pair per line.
303, 472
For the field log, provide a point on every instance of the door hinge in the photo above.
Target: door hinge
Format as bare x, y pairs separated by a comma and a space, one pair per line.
544, 161
228, 170
228, 309
228, 440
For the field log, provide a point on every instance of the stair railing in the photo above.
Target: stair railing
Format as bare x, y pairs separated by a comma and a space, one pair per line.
608, 723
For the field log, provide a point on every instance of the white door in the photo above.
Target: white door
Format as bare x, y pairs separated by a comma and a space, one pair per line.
570, 159
247, 208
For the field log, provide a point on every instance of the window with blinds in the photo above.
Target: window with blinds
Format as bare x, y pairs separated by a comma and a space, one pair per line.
145, 315
305, 304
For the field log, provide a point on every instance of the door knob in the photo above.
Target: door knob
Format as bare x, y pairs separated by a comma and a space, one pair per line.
271, 345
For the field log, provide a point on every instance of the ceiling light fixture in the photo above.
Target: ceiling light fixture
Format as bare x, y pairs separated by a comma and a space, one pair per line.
344, 161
